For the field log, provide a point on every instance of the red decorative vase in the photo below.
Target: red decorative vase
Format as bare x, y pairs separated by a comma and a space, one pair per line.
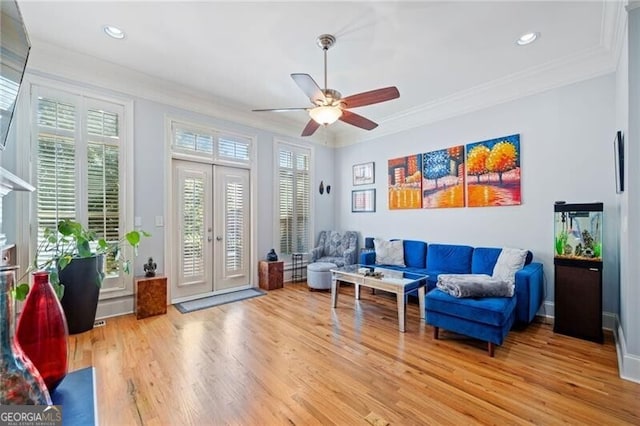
20, 381
42, 331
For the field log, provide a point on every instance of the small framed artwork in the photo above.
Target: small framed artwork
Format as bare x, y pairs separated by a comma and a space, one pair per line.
363, 201
618, 148
364, 174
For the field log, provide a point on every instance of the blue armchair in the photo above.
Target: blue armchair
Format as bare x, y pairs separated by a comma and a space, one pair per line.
340, 248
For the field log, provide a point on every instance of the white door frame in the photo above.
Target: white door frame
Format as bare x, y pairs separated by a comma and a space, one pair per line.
168, 205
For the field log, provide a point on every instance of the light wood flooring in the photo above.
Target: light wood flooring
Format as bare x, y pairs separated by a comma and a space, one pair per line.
287, 358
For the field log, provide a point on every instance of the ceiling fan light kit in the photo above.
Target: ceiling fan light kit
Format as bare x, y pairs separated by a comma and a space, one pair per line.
325, 114
328, 104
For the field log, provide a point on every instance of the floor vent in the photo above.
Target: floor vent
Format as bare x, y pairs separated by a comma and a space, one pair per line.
100, 323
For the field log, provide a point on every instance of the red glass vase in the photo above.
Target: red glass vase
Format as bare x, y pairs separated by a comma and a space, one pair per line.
42, 331
20, 381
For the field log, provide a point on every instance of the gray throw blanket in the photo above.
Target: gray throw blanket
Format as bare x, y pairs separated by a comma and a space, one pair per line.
474, 285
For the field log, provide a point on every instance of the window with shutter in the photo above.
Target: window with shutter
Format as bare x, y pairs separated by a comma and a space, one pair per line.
56, 165
79, 166
234, 149
210, 144
293, 189
192, 141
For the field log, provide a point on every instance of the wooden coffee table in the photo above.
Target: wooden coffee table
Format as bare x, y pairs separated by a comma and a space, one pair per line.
398, 282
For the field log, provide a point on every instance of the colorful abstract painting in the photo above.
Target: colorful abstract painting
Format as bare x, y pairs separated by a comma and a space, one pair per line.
493, 172
443, 178
405, 182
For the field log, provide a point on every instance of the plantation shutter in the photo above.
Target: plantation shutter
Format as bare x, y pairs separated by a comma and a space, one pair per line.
193, 225
103, 179
294, 199
285, 191
56, 165
235, 217
302, 206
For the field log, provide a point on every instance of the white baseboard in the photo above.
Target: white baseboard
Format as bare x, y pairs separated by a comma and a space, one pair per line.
609, 321
628, 364
114, 307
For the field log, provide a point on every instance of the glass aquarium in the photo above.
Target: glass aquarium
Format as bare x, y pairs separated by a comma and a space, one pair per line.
578, 231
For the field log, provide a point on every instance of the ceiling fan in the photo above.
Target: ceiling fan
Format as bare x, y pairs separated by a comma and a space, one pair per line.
328, 104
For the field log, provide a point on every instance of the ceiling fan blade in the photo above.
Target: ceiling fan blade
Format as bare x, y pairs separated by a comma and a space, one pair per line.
308, 86
357, 120
310, 128
371, 97
279, 109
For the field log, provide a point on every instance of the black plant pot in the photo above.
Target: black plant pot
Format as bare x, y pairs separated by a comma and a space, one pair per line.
81, 291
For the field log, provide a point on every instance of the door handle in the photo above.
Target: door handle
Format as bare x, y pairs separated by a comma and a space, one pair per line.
218, 238
209, 238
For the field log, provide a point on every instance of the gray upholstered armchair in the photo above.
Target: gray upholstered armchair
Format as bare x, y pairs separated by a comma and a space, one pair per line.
340, 248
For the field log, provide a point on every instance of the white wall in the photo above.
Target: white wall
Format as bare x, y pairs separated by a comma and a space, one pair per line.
566, 140
628, 90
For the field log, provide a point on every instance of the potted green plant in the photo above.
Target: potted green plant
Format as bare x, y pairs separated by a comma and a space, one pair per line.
75, 262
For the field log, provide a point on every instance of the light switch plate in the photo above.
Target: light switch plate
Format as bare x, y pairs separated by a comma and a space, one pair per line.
137, 221
159, 221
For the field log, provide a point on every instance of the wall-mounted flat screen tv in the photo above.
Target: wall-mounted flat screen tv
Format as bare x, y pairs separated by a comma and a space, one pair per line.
14, 51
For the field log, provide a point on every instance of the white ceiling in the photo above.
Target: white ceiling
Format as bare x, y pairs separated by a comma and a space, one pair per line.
446, 58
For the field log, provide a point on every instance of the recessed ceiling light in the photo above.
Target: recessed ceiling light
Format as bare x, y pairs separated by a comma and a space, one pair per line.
113, 32
527, 38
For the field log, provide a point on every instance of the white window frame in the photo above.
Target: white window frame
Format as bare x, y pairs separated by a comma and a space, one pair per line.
216, 134
296, 147
112, 287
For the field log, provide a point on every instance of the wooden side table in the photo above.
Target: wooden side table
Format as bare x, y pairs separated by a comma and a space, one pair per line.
151, 296
270, 274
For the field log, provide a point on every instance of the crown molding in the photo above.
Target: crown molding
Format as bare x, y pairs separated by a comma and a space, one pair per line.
54, 62
583, 65
602, 59
614, 27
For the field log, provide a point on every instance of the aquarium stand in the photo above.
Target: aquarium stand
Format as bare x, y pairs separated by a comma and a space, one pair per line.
578, 271
578, 299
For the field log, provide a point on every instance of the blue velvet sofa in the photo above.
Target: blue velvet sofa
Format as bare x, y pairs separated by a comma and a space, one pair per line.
436, 259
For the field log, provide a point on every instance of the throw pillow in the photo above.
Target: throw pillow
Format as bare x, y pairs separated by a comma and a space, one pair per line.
389, 252
509, 262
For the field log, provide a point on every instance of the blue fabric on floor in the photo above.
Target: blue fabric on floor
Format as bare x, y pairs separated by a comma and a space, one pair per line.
221, 299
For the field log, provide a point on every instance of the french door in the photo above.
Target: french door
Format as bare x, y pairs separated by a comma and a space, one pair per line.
212, 235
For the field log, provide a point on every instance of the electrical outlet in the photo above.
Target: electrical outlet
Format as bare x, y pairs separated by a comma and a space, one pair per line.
159, 221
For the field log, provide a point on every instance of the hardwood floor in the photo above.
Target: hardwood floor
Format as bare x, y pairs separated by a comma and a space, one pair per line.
288, 358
